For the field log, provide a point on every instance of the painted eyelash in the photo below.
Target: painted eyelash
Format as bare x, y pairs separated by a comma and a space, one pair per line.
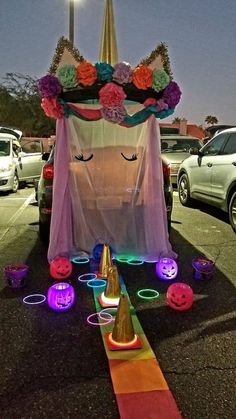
80, 157
134, 157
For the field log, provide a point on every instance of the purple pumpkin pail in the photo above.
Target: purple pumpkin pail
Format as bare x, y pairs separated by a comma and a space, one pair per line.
16, 275
203, 268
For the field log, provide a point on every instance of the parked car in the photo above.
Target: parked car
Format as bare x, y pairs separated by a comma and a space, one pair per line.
18, 162
209, 175
44, 190
175, 148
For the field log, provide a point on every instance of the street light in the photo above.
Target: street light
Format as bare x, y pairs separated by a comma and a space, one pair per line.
71, 20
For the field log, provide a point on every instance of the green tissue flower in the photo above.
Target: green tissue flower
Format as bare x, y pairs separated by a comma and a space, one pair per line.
160, 79
67, 76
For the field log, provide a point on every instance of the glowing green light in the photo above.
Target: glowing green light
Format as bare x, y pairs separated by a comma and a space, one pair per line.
148, 294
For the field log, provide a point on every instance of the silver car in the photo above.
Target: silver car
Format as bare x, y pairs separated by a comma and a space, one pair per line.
175, 148
209, 175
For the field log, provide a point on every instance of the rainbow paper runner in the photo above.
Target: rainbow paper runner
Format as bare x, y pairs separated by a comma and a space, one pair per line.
139, 385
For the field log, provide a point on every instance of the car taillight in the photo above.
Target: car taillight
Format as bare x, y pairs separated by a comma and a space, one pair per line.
166, 169
48, 171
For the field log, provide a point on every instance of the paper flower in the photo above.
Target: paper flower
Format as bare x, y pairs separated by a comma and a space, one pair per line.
115, 114
86, 73
52, 107
142, 77
122, 73
104, 71
160, 79
172, 94
111, 95
67, 76
49, 86
161, 105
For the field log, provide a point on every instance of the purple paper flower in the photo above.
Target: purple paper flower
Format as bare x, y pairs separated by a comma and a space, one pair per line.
161, 105
172, 94
49, 86
122, 73
115, 114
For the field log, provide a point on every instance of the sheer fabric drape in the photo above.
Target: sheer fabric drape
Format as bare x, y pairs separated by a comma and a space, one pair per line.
108, 187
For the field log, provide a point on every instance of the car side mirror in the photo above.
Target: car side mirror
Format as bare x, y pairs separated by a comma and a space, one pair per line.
194, 150
45, 156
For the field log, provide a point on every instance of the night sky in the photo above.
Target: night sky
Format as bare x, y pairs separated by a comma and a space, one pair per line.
200, 36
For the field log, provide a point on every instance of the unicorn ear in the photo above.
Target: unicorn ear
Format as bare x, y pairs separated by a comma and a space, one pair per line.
65, 53
159, 59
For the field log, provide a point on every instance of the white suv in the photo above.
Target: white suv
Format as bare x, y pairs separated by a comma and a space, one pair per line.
209, 175
18, 162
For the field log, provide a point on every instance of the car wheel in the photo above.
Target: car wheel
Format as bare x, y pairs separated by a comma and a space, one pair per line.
232, 211
184, 191
16, 183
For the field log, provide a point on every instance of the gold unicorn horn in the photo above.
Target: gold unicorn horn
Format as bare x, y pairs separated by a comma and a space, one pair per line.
105, 261
123, 330
113, 285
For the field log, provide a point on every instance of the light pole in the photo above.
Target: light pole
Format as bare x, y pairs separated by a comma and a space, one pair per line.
71, 20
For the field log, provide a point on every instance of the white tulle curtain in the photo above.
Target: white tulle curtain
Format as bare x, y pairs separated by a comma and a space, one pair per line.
111, 191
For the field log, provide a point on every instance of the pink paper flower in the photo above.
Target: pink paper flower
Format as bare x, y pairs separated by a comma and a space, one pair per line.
52, 108
111, 95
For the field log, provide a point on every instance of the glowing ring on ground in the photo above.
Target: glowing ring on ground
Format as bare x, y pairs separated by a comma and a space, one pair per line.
106, 311
107, 321
122, 259
80, 259
154, 294
89, 276
41, 300
135, 262
154, 260
96, 283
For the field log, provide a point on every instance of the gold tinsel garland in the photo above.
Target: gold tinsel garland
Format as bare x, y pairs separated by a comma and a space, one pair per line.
162, 50
61, 45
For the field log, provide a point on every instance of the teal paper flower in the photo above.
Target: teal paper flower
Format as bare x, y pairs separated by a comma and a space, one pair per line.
104, 71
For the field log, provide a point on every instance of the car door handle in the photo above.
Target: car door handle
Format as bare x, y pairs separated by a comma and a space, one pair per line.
234, 163
209, 164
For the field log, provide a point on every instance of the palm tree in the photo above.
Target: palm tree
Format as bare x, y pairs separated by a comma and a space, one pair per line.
211, 120
176, 121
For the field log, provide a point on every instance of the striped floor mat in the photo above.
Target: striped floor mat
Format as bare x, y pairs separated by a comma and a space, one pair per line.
139, 385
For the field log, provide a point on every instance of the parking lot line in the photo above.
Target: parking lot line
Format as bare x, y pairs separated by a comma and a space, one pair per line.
17, 215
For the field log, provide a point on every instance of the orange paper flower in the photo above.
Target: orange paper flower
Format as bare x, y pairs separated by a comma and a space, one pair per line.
86, 73
142, 77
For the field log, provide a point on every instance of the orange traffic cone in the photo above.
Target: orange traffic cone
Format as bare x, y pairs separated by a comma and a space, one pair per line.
105, 261
113, 285
123, 336
110, 297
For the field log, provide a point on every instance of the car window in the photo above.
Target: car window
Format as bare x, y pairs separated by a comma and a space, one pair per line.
230, 147
214, 147
175, 145
30, 147
5, 148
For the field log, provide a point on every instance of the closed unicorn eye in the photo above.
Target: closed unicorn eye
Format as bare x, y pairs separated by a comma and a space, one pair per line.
134, 157
81, 157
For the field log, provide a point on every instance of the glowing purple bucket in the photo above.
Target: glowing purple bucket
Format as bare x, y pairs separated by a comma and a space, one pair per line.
16, 275
203, 268
61, 296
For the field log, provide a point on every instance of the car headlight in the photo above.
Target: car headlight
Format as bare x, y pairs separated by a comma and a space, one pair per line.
6, 167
